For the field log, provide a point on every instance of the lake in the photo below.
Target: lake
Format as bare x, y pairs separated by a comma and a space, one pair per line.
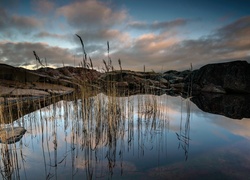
133, 137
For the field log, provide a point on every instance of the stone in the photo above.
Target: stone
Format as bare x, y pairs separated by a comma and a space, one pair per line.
122, 84
164, 81
233, 77
178, 85
11, 135
28, 92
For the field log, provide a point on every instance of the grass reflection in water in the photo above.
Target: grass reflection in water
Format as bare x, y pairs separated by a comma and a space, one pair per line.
90, 137
139, 136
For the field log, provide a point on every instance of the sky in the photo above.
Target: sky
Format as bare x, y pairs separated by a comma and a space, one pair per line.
158, 34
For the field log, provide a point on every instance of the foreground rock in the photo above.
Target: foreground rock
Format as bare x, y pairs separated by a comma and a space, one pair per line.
11, 134
13, 90
230, 77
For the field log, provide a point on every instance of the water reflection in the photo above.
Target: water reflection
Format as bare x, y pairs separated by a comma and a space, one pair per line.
125, 137
230, 105
14, 108
183, 134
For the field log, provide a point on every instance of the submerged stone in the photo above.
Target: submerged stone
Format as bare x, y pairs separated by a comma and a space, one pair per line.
11, 134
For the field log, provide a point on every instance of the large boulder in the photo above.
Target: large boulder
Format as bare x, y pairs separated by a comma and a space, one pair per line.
233, 77
17, 74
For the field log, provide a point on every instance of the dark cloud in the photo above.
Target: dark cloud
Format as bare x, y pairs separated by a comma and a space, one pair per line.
23, 23
91, 14
14, 24
236, 35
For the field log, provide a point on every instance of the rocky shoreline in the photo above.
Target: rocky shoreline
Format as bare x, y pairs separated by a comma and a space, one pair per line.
18, 84
225, 78
222, 88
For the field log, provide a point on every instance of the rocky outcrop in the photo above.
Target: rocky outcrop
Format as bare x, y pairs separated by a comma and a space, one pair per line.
19, 89
134, 81
230, 77
176, 76
50, 85
17, 74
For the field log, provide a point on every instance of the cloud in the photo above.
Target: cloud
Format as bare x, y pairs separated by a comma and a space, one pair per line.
10, 24
230, 42
95, 43
152, 43
91, 14
43, 6
17, 54
167, 51
45, 34
163, 25
22, 22
147, 49
103, 35
160, 45
237, 34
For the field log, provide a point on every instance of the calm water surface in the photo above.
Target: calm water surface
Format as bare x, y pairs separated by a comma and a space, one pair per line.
136, 137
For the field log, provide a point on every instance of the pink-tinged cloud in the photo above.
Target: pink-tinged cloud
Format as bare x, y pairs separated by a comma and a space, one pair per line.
151, 43
237, 34
159, 52
44, 34
158, 25
24, 22
43, 6
91, 14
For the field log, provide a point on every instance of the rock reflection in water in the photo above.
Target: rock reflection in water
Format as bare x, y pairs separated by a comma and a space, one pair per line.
230, 105
11, 110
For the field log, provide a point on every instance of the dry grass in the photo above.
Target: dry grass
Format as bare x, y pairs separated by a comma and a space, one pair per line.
95, 120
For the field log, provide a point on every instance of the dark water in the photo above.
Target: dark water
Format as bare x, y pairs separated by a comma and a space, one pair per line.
136, 137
